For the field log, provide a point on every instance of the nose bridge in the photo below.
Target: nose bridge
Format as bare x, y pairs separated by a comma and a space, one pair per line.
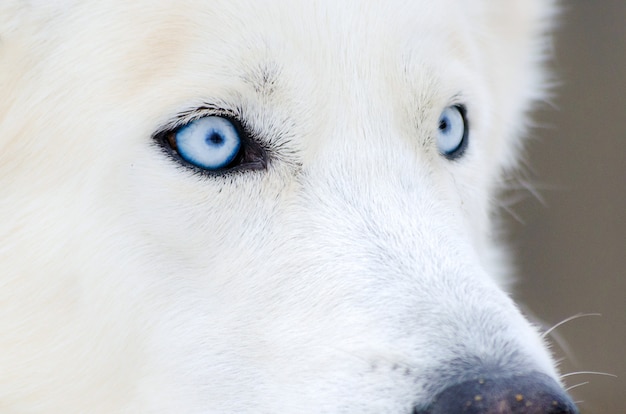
381, 201
384, 209
377, 191
382, 204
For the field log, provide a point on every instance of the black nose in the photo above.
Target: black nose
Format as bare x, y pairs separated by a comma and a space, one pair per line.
524, 394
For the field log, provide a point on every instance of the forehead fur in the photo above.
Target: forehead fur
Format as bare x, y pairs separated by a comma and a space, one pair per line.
162, 44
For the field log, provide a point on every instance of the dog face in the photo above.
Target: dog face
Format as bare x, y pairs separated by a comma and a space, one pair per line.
329, 249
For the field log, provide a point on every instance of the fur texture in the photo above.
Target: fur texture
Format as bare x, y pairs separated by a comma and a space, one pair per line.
359, 272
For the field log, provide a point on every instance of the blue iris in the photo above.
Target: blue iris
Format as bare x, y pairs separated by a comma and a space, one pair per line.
452, 132
209, 143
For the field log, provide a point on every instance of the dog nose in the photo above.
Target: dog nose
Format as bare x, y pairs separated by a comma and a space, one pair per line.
533, 393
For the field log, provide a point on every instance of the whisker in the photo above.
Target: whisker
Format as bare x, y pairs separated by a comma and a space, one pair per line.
564, 321
513, 214
568, 389
606, 374
533, 190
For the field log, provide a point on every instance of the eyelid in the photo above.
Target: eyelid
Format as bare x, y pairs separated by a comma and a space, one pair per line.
189, 115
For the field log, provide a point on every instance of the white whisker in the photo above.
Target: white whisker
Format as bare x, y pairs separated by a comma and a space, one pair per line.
606, 374
564, 321
568, 389
533, 190
513, 214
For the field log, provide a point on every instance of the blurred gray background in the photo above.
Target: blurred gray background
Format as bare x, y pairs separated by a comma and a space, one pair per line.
571, 246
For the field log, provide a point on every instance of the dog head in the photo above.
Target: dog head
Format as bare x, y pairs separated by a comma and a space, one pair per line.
237, 206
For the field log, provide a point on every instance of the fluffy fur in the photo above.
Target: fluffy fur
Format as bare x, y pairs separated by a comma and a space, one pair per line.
350, 275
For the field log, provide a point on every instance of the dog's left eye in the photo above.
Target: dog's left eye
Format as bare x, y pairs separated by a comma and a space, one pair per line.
214, 144
452, 132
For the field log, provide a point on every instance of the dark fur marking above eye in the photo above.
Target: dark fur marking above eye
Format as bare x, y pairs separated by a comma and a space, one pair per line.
264, 78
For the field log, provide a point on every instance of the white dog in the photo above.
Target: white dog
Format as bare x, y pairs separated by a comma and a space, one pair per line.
264, 206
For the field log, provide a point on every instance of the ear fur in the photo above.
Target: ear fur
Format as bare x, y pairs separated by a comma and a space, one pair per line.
520, 44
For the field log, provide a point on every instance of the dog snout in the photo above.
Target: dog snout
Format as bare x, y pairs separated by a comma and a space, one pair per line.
533, 393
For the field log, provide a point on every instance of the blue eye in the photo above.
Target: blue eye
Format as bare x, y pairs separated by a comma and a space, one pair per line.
210, 143
452, 132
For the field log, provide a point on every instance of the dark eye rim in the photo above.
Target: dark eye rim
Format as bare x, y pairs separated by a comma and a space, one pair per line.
252, 156
460, 150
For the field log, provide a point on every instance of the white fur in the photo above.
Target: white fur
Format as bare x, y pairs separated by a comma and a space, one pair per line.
344, 278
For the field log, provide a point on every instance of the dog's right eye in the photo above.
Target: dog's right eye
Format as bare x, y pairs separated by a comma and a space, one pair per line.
214, 144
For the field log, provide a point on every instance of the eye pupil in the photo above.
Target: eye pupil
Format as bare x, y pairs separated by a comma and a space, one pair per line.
443, 124
215, 138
